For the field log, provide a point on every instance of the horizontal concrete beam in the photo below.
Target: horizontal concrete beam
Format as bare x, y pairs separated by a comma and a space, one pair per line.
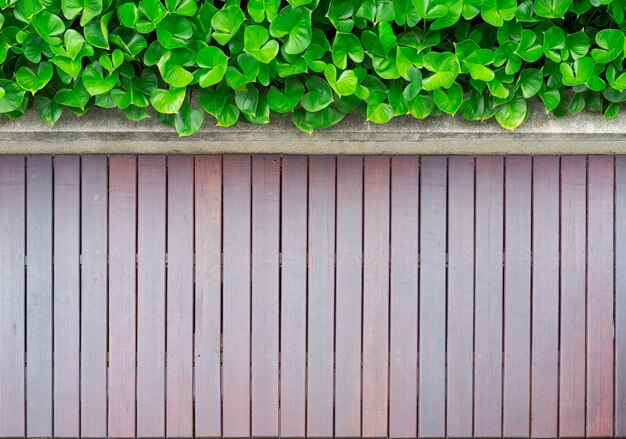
103, 131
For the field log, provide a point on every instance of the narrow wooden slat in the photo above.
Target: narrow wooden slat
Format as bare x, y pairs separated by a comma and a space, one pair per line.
122, 295
39, 297
265, 294
179, 311
293, 296
517, 298
488, 297
12, 295
348, 296
432, 297
151, 186
321, 293
620, 295
93, 329
600, 297
573, 275
403, 291
375, 296
67, 296
545, 324
460, 295
236, 297
208, 230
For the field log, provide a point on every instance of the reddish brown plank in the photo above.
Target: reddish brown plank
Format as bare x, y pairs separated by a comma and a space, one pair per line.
460, 295
573, 275
545, 323
321, 293
122, 295
208, 230
293, 296
403, 291
375, 296
12, 295
66, 296
93, 330
179, 350
265, 292
432, 297
39, 298
236, 297
151, 186
348, 296
517, 298
488, 297
620, 295
600, 297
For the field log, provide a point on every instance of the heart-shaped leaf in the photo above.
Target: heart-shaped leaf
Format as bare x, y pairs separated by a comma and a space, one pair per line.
95, 82
12, 96
445, 67
213, 63
34, 81
319, 95
226, 23
285, 100
167, 101
258, 44
450, 101
295, 25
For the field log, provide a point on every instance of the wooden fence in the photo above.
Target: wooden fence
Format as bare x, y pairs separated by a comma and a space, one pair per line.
316, 296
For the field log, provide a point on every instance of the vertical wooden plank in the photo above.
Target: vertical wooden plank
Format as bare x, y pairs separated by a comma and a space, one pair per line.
432, 297
265, 294
236, 297
403, 290
151, 186
348, 296
600, 297
517, 298
208, 235
39, 328
179, 350
460, 295
620, 295
488, 297
573, 275
293, 296
545, 322
12, 295
321, 295
66, 296
93, 329
122, 295
375, 296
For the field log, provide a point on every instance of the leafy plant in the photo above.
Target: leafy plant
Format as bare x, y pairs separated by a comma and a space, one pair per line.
315, 59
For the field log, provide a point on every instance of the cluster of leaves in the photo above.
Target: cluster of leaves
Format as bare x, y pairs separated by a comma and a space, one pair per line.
315, 59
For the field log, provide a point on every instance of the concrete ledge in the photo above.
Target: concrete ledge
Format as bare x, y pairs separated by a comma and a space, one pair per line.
103, 131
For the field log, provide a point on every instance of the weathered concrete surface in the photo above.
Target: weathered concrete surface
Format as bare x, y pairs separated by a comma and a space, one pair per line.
109, 132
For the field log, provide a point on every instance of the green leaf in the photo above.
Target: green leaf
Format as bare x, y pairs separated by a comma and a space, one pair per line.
552, 8
512, 114
553, 43
11, 97
450, 101
319, 94
308, 121
174, 31
345, 85
49, 110
529, 49
258, 44
285, 100
188, 120
421, 106
48, 26
31, 81
75, 98
128, 13
346, 45
186, 8
95, 82
445, 67
550, 98
247, 99
378, 110
213, 63
167, 101
530, 81
226, 23
578, 73
295, 24
496, 12
619, 82
88, 9
172, 67
261, 10
577, 44
611, 42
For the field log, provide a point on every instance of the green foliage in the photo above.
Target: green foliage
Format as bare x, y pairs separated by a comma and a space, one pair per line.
315, 59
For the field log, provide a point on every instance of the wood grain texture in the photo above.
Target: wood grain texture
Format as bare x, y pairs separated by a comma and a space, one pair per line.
12, 295
600, 297
66, 296
39, 296
93, 322
545, 326
321, 296
376, 187
265, 294
179, 357
517, 296
404, 294
349, 292
488, 297
293, 292
236, 297
432, 297
460, 296
573, 296
208, 245
620, 295
151, 226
